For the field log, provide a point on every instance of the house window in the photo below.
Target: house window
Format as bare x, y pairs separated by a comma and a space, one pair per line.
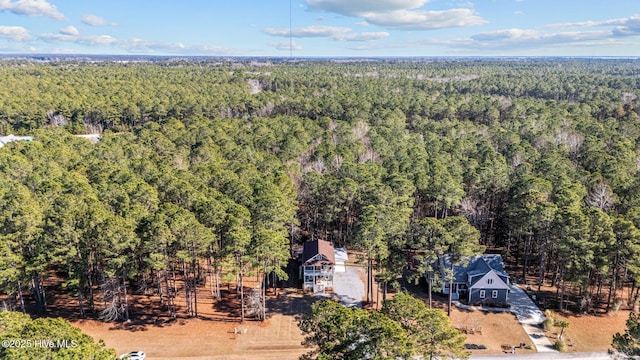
482, 294
494, 294
489, 281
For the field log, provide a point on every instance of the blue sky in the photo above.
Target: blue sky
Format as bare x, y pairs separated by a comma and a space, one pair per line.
322, 27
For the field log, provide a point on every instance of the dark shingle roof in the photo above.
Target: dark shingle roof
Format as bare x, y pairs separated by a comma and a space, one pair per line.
495, 262
477, 265
313, 248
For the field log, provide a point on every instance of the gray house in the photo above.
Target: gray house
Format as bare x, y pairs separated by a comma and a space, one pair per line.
478, 280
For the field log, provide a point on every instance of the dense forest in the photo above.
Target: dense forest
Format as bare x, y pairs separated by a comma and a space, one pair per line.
208, 171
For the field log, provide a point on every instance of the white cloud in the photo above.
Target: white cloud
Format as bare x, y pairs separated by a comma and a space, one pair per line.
601, 35
633, 20
425, 20
510, 40
93, 40
371, 46
463, 4
582, 33
31, 8
508, 34
365, 36
518, 12
622, 31
309, 31
141, 44
90, 40
333, 32
285, 46
211, 49
358, 7
15, 33
574, 34
401, 14
95, 20
11, 48
134, 45
523, 38
56, 37
70, 30
600, 44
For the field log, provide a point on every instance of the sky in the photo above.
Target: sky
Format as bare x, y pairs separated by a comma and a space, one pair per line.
322, 28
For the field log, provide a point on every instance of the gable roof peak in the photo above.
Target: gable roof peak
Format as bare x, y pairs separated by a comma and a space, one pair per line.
318, 247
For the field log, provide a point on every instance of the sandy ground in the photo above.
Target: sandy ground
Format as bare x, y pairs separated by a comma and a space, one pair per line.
591, 332
586, 333
279, 337
181, 339
496, 329
213, 335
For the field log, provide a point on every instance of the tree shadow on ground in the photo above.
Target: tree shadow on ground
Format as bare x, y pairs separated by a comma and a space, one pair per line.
290, 303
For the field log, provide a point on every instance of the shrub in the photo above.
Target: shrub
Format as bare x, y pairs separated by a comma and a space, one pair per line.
559, 345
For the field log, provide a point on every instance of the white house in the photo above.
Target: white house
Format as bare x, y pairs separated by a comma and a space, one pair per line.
318, 265
341, 257
10, 138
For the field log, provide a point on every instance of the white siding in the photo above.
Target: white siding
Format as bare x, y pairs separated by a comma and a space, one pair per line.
490, 280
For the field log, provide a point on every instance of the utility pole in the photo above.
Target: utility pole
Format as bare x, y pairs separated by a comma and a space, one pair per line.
290, 32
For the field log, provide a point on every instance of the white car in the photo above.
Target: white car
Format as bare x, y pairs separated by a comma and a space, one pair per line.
134, 355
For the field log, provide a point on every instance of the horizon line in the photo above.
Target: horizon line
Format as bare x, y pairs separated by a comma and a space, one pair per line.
35, 55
